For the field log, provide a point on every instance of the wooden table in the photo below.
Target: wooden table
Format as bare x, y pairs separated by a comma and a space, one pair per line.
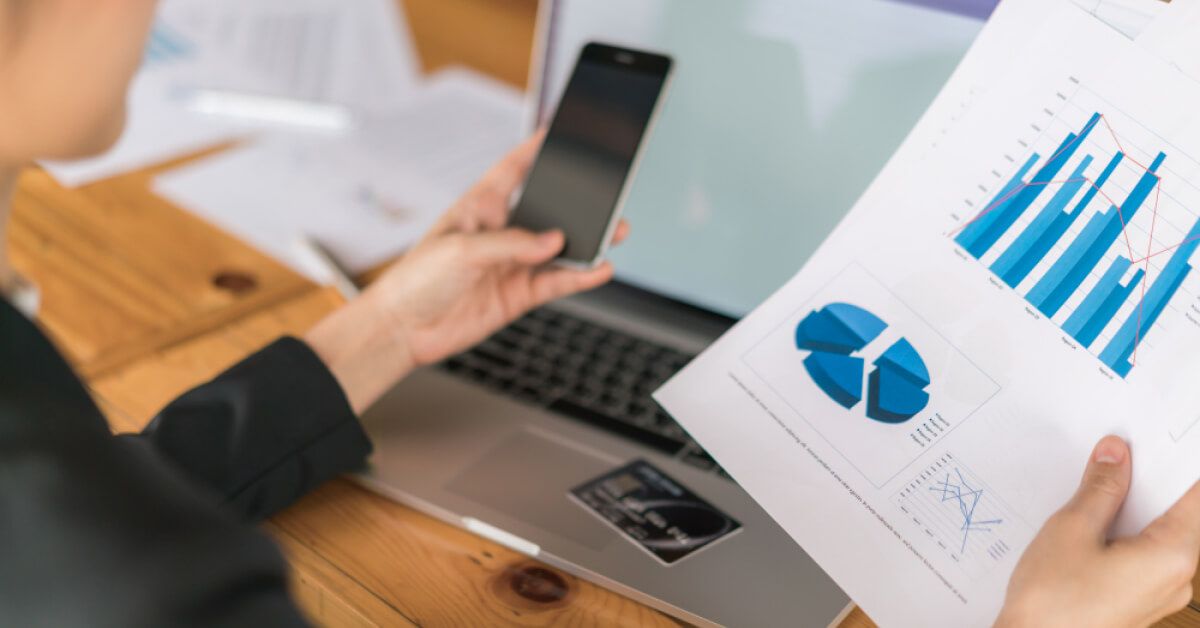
148, 301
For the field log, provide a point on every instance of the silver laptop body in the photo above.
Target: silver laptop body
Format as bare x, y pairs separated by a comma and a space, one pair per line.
504, 468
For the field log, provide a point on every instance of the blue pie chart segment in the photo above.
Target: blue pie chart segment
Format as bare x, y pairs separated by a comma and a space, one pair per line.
839, 376
896, 390
893, 398
904, 360
838, 328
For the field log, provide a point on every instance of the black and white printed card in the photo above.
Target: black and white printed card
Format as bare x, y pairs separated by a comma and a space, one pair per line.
654, 511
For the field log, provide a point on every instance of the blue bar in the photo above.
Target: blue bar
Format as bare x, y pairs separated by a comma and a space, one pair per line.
1118, 352
1062, 222
1010, 212
991, 211
1065, 277
1045, 292
1102, 303
1017, 262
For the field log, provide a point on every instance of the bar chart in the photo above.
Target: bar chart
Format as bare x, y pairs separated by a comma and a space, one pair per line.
1073, 229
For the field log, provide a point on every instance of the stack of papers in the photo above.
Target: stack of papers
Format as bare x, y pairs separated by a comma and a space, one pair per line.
1017, 283
343, 141
357, 54
333, 53
364, 195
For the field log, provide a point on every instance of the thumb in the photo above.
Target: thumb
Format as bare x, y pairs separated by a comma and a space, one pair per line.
1104, 486
513, 245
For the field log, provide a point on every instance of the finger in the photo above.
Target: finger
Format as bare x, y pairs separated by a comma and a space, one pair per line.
482, 207
555, 283
487, 202
1179, 527
1104, 486
622, 232
512, 246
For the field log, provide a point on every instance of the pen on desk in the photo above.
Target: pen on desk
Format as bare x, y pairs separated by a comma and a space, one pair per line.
325, 263
319, 116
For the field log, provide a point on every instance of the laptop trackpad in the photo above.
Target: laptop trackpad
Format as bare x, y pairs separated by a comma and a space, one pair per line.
528, 477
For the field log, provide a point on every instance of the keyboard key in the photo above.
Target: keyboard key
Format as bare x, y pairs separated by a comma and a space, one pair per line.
673, 431
725, 474
637, 409
700, 459
611, 401
496, 359
514, 332
603, 421
527, 393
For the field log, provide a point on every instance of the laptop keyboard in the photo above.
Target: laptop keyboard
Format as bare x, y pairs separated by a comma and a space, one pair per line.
586, 372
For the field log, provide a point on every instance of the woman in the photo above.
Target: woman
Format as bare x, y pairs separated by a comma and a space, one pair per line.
143, 530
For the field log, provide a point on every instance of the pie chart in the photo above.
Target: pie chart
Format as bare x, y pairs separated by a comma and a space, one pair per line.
833, 336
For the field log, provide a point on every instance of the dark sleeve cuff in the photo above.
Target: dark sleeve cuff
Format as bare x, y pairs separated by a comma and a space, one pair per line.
265, 432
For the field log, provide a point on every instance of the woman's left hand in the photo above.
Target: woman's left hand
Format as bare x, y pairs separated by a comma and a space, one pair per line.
468, 277
1072, 575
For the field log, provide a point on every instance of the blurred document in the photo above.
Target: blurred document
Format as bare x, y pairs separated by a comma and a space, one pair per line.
1017, 283
365, 196
1129, 17
157, 128
355, 53
1173, 38
204, 55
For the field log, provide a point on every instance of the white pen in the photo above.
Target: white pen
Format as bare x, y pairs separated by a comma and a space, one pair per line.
253, 107
331, 272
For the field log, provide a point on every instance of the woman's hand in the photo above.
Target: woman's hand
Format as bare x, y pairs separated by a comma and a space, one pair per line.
1071, 575
467, 278
470, 275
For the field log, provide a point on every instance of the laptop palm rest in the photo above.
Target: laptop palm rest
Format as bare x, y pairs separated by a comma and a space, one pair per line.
528, 477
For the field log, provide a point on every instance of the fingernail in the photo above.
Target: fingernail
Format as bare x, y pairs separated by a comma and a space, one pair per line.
550, 237
1110, 451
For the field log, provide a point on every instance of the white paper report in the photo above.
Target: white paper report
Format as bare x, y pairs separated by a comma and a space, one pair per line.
1016, 284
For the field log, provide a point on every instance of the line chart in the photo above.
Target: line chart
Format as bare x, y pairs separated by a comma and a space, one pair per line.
956, 489
955, 510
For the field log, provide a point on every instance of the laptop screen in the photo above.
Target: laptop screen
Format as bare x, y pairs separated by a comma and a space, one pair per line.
780, 114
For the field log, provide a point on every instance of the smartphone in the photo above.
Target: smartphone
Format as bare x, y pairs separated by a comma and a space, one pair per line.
587, 162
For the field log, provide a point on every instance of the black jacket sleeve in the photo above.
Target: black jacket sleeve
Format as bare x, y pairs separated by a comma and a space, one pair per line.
265, 432
127, 532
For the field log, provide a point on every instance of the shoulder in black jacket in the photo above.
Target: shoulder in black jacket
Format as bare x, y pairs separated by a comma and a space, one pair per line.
152, 529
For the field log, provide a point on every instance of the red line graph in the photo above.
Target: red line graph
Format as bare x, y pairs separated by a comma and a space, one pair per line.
1144, 260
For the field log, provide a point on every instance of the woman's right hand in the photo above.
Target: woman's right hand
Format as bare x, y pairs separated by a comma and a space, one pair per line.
1072, 575
471, 275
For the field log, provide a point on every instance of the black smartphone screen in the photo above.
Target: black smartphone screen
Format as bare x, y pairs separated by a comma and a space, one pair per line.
589, 151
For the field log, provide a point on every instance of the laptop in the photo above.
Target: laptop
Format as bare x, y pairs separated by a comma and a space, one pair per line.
545, 438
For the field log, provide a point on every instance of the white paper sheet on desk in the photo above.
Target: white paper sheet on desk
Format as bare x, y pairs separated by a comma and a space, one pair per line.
366, 196
971, 411
354, 54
